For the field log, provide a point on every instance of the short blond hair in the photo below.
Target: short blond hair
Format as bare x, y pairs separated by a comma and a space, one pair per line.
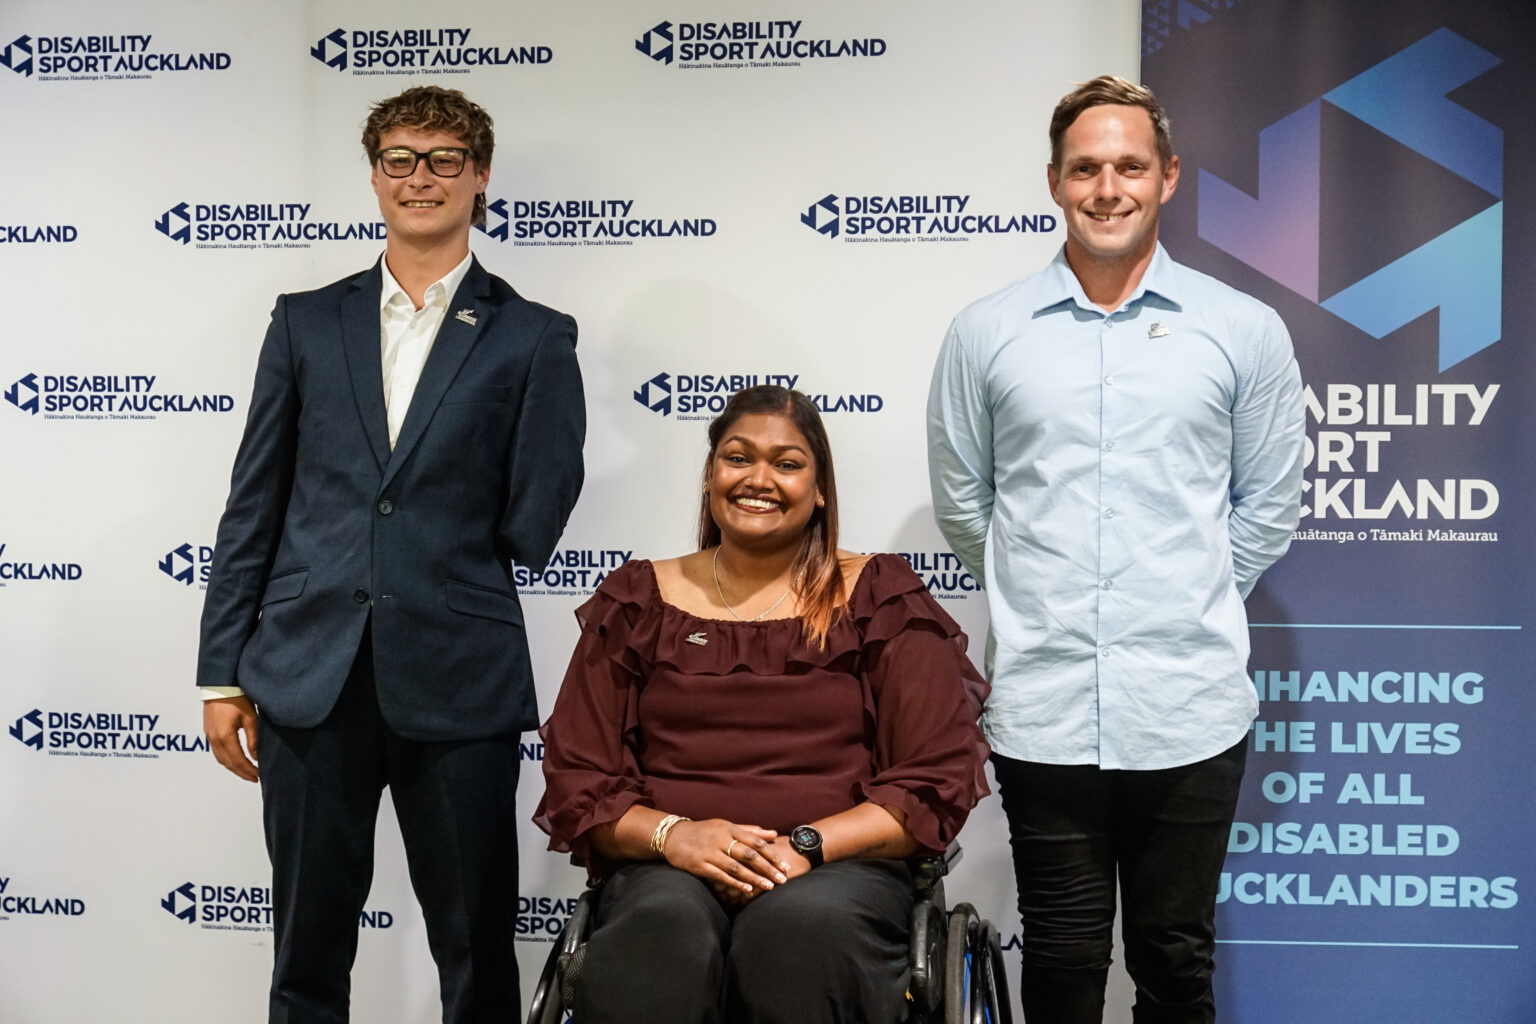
1116, 91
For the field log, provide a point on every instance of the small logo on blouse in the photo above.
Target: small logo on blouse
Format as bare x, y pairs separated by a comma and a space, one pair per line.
1158, 331
465, 316
696, 638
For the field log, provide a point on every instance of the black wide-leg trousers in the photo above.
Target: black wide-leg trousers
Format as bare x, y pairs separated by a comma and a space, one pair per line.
455, 803
829, 947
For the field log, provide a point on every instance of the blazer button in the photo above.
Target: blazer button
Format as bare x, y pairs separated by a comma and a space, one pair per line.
386, 507
360, 595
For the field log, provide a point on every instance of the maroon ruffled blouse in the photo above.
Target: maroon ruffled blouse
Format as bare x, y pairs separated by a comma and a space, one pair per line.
715, 718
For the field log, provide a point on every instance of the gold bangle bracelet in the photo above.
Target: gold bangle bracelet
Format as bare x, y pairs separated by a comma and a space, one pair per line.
666, 834
664, 829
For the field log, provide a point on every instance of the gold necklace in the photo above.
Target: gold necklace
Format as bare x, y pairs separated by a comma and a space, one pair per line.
714, 568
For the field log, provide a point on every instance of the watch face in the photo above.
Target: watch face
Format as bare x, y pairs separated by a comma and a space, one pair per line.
804, 837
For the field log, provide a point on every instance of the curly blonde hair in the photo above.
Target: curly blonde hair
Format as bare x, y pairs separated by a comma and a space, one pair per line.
431, 108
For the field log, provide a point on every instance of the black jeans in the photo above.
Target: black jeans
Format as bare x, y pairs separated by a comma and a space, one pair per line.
1073, 828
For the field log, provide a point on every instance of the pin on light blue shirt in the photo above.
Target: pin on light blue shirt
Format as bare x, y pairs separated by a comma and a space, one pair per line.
1117, 481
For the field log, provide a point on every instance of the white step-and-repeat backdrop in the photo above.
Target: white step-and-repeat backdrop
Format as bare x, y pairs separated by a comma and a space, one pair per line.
725, 194
721, 194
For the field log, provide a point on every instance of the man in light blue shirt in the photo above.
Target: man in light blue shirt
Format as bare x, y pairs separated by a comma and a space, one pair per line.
1115, 451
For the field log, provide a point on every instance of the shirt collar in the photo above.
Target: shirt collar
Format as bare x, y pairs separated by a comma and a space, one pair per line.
1058, 284
438, 293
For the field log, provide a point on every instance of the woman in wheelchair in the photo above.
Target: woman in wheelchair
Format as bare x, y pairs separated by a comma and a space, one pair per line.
749, 742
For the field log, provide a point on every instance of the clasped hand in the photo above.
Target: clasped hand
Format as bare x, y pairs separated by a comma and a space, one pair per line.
738, 861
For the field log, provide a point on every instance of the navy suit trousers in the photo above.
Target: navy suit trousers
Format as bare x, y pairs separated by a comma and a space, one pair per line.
454, 800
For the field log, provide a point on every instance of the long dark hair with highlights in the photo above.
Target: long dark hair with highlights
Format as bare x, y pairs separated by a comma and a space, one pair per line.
817, 576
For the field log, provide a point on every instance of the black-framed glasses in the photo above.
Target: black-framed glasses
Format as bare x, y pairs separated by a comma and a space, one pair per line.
444, 161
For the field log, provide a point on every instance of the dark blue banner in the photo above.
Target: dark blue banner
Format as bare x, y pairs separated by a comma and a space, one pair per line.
1362, 168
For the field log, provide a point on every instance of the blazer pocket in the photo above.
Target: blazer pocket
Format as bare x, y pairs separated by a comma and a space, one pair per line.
285, 587
483, 602
497, 393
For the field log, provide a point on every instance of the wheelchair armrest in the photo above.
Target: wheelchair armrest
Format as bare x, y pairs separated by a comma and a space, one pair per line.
927, 959
927, 872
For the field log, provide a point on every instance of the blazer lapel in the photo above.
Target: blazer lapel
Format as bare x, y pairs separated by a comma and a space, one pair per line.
365, 363
450, 348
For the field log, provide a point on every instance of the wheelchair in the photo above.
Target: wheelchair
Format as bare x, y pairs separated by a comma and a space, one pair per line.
956, 959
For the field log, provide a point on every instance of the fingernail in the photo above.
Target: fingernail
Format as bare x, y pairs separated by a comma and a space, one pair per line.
781, 879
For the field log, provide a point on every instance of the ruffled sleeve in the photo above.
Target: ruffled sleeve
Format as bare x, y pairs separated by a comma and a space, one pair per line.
930, 755
591, 775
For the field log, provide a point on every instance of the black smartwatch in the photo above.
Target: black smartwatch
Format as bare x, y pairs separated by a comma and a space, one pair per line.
806, 841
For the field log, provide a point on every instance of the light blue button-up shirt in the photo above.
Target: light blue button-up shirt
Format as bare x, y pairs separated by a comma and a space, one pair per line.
1117, 481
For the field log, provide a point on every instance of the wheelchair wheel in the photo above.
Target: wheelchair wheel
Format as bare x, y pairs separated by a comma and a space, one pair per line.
989, 979
975, 986
552, 995
546, 1007
957, 975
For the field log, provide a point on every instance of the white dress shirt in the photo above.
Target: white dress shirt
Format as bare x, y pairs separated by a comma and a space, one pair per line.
406, 335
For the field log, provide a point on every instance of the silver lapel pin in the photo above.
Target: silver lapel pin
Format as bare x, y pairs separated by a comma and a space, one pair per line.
697, 638
466, 316
1158, 331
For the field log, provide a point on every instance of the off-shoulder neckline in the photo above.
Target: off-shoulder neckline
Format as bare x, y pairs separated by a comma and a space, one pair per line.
859, 584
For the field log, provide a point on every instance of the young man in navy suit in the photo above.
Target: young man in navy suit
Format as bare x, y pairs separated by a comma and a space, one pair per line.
412, 431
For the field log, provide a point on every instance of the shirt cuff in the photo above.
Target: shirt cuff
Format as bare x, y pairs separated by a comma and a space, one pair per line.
216, 692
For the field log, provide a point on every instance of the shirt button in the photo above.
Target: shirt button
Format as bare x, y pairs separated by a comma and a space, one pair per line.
1108, 584
1108, 322
1109, 446
360, 595
1109, 513
386, 507
1110, 379
1104, 652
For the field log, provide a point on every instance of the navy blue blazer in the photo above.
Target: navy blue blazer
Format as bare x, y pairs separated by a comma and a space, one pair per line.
325, 525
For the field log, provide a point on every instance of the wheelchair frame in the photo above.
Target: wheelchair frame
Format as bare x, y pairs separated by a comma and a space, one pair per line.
956, 967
